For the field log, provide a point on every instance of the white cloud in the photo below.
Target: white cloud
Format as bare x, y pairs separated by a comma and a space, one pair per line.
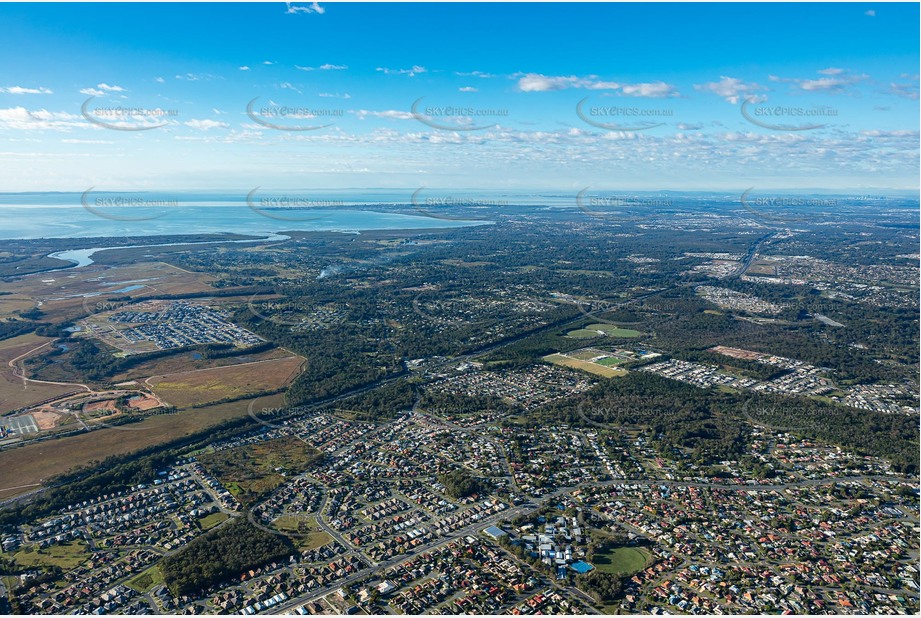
416, 70
160, 80
19, 118
823, 83
334, 95
835, 80
85, 141
101, 90
195, 77
23, 90
536, 82
732, 89
323, 67
468, 89
313, 7
390, 114
480, 74
907, 90
870, 13
289, 86
655, 90
244, 68
206, 124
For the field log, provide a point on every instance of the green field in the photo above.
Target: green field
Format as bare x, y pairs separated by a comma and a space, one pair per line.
209, 521
306, 534
611, 361
614, 331
598, 370
586, 354
621, 560
598, 330
146, 580
581, 333
67, 556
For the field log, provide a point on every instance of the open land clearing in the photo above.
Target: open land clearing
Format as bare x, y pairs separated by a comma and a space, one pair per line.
26, 466
207, 385
584, 365
252, 470
65, 556
191, 361
309, 535
16, 393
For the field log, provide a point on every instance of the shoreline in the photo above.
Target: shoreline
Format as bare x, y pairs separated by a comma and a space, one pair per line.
79, 258
83, 257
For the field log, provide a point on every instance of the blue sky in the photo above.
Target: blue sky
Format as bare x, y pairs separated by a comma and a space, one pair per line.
507, 96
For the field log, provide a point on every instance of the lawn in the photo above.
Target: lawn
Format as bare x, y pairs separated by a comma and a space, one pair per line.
610, 361
582, 333
599, 330
621, 560
146, 580
67, 556
209, 521
614, 331
585, 354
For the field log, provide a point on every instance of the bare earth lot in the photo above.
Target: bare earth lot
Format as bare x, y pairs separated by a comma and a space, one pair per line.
24, 468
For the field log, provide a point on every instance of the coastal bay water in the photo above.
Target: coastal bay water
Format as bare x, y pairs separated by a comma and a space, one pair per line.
22, 220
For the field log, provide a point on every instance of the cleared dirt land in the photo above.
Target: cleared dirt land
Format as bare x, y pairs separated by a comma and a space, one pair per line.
15, 394
25, 467
207, 385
